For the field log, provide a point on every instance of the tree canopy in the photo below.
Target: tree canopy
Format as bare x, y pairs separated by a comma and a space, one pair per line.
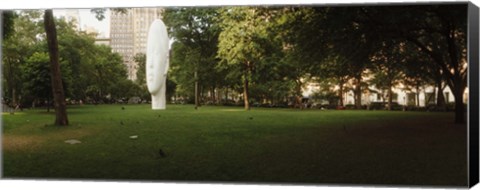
254, 55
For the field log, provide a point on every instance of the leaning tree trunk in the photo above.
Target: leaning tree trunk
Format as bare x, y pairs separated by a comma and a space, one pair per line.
57, 87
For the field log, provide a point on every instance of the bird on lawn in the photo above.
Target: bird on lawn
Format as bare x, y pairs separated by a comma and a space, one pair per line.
161, 153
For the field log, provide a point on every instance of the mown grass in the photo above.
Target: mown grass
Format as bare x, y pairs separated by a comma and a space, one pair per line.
228, 144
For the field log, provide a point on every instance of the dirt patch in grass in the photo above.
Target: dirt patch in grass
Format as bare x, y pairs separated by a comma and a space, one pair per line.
222, 144
52, 134
19, 143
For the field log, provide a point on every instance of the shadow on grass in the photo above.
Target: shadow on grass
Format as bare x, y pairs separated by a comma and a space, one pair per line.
231, 145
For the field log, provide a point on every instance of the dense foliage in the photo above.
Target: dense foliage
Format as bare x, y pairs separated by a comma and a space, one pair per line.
268, 54
260, 56
90, 72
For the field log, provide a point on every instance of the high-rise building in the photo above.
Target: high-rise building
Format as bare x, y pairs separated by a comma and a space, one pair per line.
128, 33
73, 15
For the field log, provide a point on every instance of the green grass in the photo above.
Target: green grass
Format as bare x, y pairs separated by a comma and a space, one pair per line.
229, 144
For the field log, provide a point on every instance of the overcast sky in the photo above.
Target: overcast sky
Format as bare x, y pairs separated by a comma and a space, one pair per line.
103, 27
87, 19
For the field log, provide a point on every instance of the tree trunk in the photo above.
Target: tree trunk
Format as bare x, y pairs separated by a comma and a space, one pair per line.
48, 104
57, 87
226, 94
11, 85
340, 92
245, 93
459, 107
245, 87
358, 93
390, 93
14, 97
298, 94
213, 97
197, 103
219, 96
417, 94
440, 97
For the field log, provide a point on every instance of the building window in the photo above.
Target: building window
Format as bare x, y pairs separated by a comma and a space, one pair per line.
429, 98
394, 97
411, 99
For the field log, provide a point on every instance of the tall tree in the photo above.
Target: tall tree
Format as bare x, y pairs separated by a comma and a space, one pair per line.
7, 21
335, 69
332, 41
303, 46
61, 117
195, 31
78, 52
19, 45
245, 41
438, 31
387, 67
37, 73
107, 70
446, 45
141, 60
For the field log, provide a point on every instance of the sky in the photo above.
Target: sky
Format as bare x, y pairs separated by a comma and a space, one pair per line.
87, 19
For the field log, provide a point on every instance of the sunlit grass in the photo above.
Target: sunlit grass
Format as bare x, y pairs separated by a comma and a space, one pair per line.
231, 144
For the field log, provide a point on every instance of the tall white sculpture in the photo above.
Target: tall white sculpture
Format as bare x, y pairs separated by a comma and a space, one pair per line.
157, 63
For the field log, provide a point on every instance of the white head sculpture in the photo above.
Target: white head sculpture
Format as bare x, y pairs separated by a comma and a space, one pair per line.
157, 63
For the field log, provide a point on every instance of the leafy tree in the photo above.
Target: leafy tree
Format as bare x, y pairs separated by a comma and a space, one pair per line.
387, 68
107, 70
332, 43
7, 20
195, 31
182, 71
77, 52
37, 72
335, 69
353, 41
245, 42
141, 60
438, 31
124, 89
16, 49
326, 92
420, 70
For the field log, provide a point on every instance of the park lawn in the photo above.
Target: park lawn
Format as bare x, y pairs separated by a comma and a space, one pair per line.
228, 144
